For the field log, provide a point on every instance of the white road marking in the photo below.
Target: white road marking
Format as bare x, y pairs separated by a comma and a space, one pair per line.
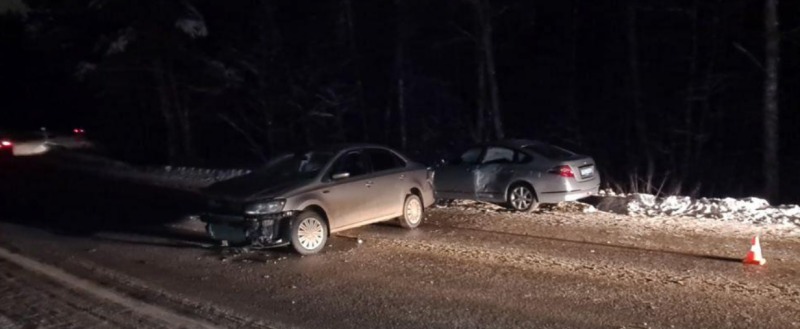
173, 319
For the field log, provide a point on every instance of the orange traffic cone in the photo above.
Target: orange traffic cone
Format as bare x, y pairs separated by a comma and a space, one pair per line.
754, 255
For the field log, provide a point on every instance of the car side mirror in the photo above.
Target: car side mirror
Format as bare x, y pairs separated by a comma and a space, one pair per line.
341, 175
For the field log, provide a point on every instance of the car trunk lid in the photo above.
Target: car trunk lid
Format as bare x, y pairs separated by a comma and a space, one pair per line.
583, 167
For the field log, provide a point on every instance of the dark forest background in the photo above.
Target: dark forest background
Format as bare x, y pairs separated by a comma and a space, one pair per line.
667, 92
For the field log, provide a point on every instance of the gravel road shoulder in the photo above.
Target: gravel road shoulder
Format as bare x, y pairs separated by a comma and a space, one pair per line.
30, 300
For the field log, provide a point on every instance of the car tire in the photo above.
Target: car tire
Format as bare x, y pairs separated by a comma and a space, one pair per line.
308, 233
413, 212
522, 198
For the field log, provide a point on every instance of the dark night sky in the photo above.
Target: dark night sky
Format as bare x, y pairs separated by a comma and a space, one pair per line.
563, 70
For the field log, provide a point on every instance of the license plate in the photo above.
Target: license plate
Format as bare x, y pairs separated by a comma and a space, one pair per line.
587, 171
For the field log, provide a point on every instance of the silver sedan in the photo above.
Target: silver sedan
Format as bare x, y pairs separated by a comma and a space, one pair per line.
518, 173
299, 199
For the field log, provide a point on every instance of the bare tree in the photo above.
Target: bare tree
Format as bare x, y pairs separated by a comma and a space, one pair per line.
480, 118
399, 69
164, 102
348, 38
639, 125
483, 13
573, 118
691, 91
771, 113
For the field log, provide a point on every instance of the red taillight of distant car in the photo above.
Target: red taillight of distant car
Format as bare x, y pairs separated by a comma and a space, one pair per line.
563, 171
6, 144
78, 131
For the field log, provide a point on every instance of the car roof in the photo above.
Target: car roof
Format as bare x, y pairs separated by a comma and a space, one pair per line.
514, 143
345, 147
349, 146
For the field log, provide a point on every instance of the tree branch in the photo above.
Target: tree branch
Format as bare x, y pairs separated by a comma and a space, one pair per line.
254, 146
750, 56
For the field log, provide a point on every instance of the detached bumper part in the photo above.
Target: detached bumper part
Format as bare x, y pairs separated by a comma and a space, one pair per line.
262, 230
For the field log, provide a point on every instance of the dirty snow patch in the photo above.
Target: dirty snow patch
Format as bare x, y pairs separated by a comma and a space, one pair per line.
485, 207
188, 178
747, 210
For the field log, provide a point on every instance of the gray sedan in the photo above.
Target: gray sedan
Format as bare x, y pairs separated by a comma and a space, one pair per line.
517, 173
299, 199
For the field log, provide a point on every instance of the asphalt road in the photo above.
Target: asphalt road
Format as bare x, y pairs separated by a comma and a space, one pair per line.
461, 269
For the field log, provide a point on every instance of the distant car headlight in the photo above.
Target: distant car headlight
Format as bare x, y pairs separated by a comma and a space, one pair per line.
264, 208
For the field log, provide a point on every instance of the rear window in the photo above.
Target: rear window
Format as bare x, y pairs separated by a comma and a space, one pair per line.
549, 151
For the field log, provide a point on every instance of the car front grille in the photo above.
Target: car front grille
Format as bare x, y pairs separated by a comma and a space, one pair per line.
225, 206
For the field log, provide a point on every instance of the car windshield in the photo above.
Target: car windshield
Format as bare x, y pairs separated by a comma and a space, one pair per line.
296, 165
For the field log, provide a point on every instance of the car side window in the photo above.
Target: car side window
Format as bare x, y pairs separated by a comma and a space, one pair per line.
470, 156
520, 157
498, 155
353, 163
384, 160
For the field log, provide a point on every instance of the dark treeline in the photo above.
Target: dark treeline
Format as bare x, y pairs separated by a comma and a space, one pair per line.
676, 96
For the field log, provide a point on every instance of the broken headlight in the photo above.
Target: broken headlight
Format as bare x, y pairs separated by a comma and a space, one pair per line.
264, 208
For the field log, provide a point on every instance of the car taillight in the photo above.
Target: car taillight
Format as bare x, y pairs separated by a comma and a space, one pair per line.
563, 171
5, 143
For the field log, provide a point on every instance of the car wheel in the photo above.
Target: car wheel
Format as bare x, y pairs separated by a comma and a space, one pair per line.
522, 198
413, 210
308, 233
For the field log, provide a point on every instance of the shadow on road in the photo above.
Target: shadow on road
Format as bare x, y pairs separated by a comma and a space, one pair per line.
36, 193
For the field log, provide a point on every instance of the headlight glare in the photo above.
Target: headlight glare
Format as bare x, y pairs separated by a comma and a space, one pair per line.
264, 208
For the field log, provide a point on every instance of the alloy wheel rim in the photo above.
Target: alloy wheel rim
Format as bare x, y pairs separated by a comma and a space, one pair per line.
521, 198
413, 211
310, 233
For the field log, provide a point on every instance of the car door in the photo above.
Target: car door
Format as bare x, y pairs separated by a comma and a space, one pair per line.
456, 179
391, 183
494, 173
348, 198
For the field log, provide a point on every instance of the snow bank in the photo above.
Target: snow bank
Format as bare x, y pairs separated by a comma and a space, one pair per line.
190, 178
747, 210
486, 207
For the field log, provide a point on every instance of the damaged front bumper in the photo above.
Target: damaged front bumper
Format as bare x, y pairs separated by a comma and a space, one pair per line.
264, 230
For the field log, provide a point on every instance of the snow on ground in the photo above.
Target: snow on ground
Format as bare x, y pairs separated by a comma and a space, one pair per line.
748, 210
189, 178
577, 217
636, 215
